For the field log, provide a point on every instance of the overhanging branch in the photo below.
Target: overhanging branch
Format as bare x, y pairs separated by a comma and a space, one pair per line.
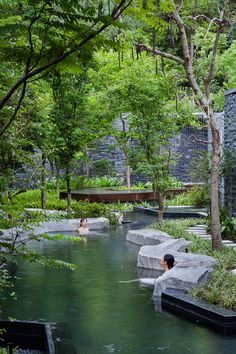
144, 48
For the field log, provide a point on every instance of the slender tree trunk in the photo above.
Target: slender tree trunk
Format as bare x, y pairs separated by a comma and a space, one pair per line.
214, 188
57, 177
51, 162
43, 181
128, 181
68, 188
161, 207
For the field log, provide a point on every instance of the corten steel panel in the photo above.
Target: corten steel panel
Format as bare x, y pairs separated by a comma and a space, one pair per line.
111, 197
119, 196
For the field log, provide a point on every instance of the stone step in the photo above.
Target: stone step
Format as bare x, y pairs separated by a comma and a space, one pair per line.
208, 237
233, 245
226, 242
196, 230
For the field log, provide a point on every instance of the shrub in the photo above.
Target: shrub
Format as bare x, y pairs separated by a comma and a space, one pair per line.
32, 199
98, 182
103, 167
197, 196
180, 199
228, 225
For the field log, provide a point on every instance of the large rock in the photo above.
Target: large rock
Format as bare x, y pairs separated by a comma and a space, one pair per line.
147, 237
149, 256
181, 277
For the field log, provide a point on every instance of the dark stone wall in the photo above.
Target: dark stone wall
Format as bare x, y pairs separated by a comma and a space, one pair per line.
230, 143
184, 148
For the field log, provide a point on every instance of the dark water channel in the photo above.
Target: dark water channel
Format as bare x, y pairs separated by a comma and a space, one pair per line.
103, 314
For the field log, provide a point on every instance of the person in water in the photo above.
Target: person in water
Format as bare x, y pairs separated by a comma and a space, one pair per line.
167, 262
83, 227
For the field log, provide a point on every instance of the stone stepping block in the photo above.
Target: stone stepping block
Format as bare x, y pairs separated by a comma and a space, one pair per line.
227, 242
147, 237
176, 244
197, 228
233, 245
204, 236
149, 257
199, 231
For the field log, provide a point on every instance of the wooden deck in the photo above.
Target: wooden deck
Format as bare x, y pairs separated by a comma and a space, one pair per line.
109, 195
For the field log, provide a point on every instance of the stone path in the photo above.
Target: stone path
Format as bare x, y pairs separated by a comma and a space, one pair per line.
201, 231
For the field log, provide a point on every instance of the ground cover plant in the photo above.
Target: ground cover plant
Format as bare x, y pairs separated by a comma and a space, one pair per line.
197, 196
221, 286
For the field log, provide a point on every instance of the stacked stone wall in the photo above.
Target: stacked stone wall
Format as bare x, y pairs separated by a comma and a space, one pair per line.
230, 143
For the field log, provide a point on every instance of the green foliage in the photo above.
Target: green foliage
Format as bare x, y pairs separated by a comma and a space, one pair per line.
197, 196
9, 350
200, 168
220, 289
32, 199
96, 182
177, 227
228, 225
103, 167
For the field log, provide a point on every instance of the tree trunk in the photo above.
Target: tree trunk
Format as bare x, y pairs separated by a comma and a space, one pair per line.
214, 188
58, 178
51, 162
43, 181
89, 169
128, 182
68, 188
161, 207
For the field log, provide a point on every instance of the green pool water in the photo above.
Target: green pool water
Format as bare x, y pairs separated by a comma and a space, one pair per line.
103, 313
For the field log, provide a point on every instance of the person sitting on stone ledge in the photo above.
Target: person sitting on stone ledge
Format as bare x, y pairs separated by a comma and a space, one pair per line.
83, 227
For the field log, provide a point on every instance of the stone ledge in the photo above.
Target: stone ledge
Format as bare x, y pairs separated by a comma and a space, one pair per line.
176, 301
147, 236
63, 225
149, 256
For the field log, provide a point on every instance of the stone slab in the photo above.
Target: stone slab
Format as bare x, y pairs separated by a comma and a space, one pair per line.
182, 277
149, 257
227, 242
147, 236
233, 245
